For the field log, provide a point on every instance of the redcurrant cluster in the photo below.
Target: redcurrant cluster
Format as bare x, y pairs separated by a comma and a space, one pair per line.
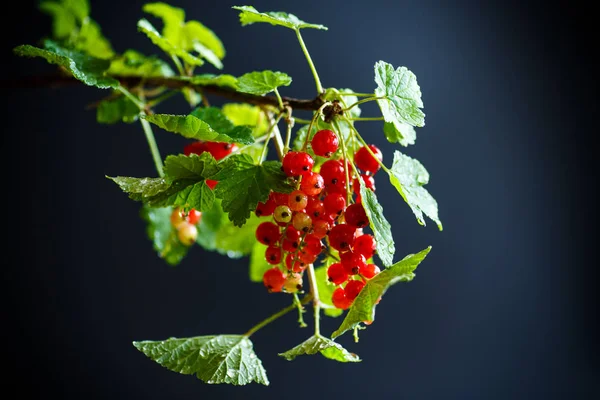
185, 222
318, 210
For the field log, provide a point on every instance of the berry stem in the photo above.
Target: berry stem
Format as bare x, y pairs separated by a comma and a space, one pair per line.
310, 62
270, 133
301, 121
386, 169
279, 101
314, 291
300, 311
152, 143
178, 65
312, 122
277, 315
288, 133
344, 154
367, 119
355, 94
364, 101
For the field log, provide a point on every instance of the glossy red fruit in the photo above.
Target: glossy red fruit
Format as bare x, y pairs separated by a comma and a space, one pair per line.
342, 236
368, 181
293, 283
325, 143
314, 207
280, 199
267, 233
195, 148
273, 279
273, 254
265, 209
302, 222
290, 245
297, 200
282, 214
187, 233
303, 163
369, 271
194, 216
353, 262
336, 273
288, 165
220, 150
211, 183
321, 228
365, 161
365, 245
334, 203
307, 257
356, 216
292, 233
312, 183
313, 245
353, 288
340, 300
332, 169
294, 264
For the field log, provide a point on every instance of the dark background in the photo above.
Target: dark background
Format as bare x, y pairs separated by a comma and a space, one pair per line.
504, 306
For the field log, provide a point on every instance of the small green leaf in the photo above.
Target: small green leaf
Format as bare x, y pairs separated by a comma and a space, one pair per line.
172, 18
88, 70
262, 82
246, 114
326, 289
208, 55
319, 344
258, 262
91, 41
168, 47
184, 184
223, 80
133, 63
242, 184
402, 103
381, 228
116, 110
399, 133
203, 124
196, 32
363, 307
63, 20
250, 15
409, 176
213, 359
162, 234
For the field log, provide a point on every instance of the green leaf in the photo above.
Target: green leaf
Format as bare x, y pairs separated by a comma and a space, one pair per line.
363, 307
172, 18
133, 63
168, 47
184, 184
208, 55
63, 20
209, 124
116, 110
91, 40
213, 359
402, 103
262, 82
196, 33
409, 176
79, 8
88, 70
379, 225
223, 80
326, 289
217, 233
246, 114
250, 15
319, 344
242, 184
399, 133
163, 235
258, 262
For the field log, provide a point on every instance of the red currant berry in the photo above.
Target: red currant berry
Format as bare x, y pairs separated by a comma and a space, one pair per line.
194, 216
356, 216
280, 199
315, 207
365, 245
332, 169
340, 300
313, 245
294, 264
342, 237
312, 183
334, 203
211, 183
368, 181
304, 163
353, 262
282, 214
187, 233
195, 148
307, 257
353, 288
288, 165
321, 228
273, 279
273, 254
290, 245
292, 233
293, 283
337, 274
369, 271
265, 209
324, 143
302, 222
365, 161
220, 150
267, 233
297, 200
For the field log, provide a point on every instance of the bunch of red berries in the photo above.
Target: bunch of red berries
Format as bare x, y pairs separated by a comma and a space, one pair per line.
319, 210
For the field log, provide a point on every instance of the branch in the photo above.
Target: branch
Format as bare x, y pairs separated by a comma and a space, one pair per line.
172, 83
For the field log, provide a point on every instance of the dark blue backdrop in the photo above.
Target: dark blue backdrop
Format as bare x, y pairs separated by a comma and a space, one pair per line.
504, 306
